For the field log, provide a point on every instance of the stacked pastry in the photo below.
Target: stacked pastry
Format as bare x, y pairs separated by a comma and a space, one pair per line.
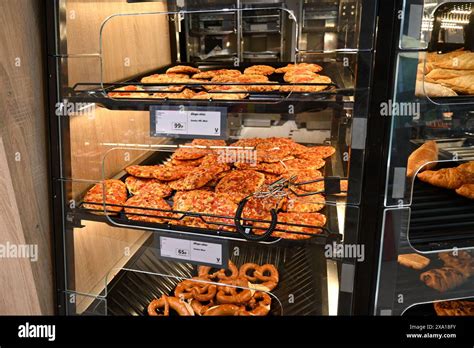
456, 271
454, 308
449, 74
203, 187
253, 79
460, 178
243, 292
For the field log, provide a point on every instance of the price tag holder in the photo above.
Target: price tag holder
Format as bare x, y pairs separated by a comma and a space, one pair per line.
188, 121
214, 253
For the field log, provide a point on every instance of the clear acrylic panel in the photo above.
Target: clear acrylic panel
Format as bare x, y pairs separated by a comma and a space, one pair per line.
110, 264
407, 277
85, 305
416, 120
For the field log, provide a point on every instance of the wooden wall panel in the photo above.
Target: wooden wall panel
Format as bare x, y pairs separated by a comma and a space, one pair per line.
101, 251
26, 287
91, 133
17, 285
130, 44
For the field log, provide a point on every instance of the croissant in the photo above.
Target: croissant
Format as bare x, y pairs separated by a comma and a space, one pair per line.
428, 152
467, 167
443, 74
426, 88
443, 279
449, 178
466, 190
462, 84
463, 61
463, 262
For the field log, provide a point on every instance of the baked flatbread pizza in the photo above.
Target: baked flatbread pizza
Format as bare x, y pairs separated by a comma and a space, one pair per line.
317, 151
270, 152
307, 66
128, 92
309, 84
247, 142
134, 184
213, 73
303, 204
194, 179
188, 163
293, 74
171, 173
190, 152
240, 184
151, 201
276, 168
183, 69
311, 221
259, 70
205, 202
302, 164
138, 171
115, 193
157, 189
306, 175
208, 142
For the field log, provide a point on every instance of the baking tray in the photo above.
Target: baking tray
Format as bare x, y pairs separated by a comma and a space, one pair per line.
302, 271
92, 92
440, 218
414, 291
330, 230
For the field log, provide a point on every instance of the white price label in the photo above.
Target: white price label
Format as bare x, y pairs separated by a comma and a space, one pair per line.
189, 250
187, 122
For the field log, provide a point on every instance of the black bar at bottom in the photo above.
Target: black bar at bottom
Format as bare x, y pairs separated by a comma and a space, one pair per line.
292, 330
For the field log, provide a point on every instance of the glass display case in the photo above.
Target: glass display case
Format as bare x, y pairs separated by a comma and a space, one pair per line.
427, 225
260, 157
249, 140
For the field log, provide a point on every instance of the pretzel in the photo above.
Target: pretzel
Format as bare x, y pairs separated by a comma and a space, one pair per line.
224, 310
180, 307
269, 281
234, 293
156, 304
244, 271
193, 288
203, 272
199, 308
260, 304
222, 273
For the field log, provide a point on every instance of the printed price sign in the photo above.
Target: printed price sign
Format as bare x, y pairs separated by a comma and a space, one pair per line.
184, 122
194, 251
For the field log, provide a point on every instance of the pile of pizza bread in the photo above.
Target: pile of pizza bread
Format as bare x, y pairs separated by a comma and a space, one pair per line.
446, 75
197, 84
198, 187
237, 291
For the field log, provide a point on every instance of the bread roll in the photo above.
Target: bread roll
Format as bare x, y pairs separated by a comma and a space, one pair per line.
415, 261
428, 152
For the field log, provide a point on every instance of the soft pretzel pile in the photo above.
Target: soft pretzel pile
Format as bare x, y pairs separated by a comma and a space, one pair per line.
232, 292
